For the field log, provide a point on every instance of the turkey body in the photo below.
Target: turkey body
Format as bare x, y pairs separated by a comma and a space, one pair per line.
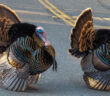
21, 68
92, 45
23, 52
94, 78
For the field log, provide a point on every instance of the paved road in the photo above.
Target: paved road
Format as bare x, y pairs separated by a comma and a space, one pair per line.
68, 80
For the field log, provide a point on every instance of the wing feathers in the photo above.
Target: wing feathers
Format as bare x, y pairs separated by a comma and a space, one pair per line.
14, 82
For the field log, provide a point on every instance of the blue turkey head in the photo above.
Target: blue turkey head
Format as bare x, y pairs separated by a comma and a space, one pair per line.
43, 35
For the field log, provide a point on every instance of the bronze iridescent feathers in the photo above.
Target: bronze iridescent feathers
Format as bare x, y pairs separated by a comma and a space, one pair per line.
81, 34
7, 18
84, 37
83, 23
87, 34
9, 14
26, 54
87, 42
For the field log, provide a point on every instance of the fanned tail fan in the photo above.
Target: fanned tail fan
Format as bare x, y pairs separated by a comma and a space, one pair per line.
7, 18
9, 14
84, 25
84, 37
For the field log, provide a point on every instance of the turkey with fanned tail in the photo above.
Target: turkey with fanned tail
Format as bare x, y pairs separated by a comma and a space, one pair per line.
25, 52
93, 45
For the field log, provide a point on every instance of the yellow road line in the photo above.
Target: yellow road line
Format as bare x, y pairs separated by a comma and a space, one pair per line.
67, 18
63, 14
41, 21
32, 12
96, 18
100, 27
55, 13
101, 19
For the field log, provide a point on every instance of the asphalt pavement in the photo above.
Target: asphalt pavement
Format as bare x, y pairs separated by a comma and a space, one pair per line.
68, 80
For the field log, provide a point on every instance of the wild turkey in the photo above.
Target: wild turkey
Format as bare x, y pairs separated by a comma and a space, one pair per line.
93, 45
25, 51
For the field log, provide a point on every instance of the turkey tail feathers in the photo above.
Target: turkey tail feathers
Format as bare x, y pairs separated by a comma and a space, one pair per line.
14, 83
81, 33
87, 37
7, 18
54, 65
81, 24
83, 36
9, 14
